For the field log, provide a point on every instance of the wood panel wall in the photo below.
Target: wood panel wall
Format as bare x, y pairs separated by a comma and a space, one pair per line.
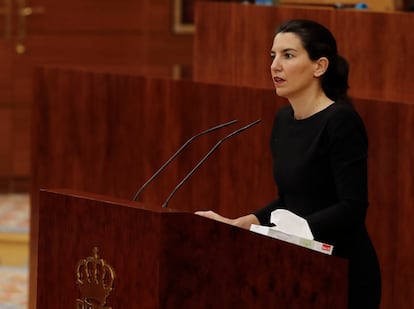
141, 39
378, 46
162, 246
115, 130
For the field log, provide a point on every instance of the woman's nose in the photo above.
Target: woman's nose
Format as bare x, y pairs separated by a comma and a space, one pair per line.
275, 66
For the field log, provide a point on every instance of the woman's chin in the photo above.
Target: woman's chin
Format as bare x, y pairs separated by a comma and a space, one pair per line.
281, 93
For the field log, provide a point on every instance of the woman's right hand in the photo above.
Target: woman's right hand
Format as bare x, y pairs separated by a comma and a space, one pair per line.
215, 216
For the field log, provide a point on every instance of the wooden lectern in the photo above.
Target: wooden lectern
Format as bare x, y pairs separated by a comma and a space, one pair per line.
163, 258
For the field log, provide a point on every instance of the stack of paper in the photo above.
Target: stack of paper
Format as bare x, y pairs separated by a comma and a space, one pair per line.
293, 239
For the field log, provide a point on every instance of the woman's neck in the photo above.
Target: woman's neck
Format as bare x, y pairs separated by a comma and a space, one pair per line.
305, 107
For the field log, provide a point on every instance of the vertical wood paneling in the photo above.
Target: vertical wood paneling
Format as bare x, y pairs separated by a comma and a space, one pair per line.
115, 131
237, 267
132, 35
380, 119
375, 44
403, 224
19, 150
240, 55
381, 63
5, 146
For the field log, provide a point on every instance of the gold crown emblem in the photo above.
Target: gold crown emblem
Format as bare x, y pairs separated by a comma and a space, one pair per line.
95, 280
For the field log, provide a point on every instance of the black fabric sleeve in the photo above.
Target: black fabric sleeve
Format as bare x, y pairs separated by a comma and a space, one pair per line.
263, 214
348, 148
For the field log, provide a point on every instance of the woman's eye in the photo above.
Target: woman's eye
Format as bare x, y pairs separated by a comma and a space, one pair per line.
288, 56
272, 55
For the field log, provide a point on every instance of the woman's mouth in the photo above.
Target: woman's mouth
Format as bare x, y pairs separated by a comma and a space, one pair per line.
278, 81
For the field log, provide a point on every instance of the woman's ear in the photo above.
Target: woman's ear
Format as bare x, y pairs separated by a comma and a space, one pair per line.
321, 65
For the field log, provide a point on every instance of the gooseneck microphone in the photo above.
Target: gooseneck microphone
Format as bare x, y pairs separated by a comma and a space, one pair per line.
178, 152
165, 204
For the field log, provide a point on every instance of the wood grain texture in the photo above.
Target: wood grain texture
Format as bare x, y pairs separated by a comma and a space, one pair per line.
155, 117
380, 61
5, 147
107, 133
135, 36
167, 259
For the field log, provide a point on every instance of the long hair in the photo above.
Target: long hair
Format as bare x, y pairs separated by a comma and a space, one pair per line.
318, 41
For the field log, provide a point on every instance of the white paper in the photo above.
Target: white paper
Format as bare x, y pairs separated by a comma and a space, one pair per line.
289, 223
307, 243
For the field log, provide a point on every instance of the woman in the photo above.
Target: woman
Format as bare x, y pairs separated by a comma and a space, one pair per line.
319, 149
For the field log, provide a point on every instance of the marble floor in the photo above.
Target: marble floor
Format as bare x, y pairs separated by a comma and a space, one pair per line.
14, 231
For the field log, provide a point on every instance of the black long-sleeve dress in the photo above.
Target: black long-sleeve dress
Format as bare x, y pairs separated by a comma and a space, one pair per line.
320, 169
